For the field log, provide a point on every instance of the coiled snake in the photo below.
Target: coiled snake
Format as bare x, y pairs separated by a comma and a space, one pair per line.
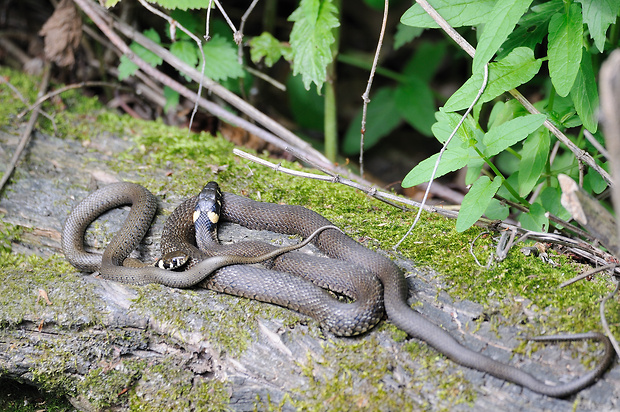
370, 279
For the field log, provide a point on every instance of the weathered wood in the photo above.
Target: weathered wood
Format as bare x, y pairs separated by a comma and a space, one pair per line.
159, 348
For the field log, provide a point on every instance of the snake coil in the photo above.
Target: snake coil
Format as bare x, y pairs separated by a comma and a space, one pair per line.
370, 279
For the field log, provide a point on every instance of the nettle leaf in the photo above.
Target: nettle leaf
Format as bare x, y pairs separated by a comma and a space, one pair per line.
533, 160
221, 59
311, 40
457, 12
452, 159
501, 22
128, 68
268, 47
517, 68
536, 219
511, 132
585, 93
565, 38
476, 201
381, 118
415, 102
187, 52
599, 15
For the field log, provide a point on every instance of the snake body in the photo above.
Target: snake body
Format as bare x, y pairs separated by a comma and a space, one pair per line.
356, 276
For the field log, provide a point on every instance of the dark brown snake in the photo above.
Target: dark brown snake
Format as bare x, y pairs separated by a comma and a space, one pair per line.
353, 271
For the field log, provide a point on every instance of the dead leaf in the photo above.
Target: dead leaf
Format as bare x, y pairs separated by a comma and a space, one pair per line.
62, 33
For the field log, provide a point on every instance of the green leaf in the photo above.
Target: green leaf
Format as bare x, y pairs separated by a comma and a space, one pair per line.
311, 40
307, 107
511, 132
457, 12
172, 99
476, 201
381, 118
127, 68
550, 200
517, 68
535, 220
497, 210
186, 51
426, 60
451, 160
221, 59
599, 15
585, 94
533, 160
446, 122
415, 102
192, 21
564, 50
594, 182
181, 4
532, 28
268, 47
501, 22
405, 34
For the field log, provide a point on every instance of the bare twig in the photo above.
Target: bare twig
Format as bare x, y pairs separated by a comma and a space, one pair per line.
63, 89
25, 138
443, 149
366, 95
599, 147
588, 274
241, 28
610, 335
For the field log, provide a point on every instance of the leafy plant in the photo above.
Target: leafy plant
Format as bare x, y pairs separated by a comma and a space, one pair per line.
504, 148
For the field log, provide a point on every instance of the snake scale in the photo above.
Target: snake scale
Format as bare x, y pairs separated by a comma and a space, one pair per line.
372, 281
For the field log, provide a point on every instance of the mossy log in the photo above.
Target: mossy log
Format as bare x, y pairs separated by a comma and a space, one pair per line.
111, 346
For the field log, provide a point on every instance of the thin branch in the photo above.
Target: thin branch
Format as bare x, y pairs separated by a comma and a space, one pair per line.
237, 35
366, 95
588, 274
25, 138
63, 89
242, 27
610, 335
485, 80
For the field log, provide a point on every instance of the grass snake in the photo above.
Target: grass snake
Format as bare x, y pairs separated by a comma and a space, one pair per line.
371, 280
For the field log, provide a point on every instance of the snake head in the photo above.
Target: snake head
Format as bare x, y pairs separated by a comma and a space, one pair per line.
207, 213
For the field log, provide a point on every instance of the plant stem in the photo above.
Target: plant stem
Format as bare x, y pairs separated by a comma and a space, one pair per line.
508, 186
330, 125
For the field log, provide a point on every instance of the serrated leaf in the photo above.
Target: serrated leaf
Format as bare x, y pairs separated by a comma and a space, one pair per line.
533, 160
268, 47
381, 118
501, 22
415, 102
457, 13
505, 135
221, 59
311, 40
476, 201
565, 38
535, 220
187, 52
585, 94
451, 160
126, 68
599, 15
517, 68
